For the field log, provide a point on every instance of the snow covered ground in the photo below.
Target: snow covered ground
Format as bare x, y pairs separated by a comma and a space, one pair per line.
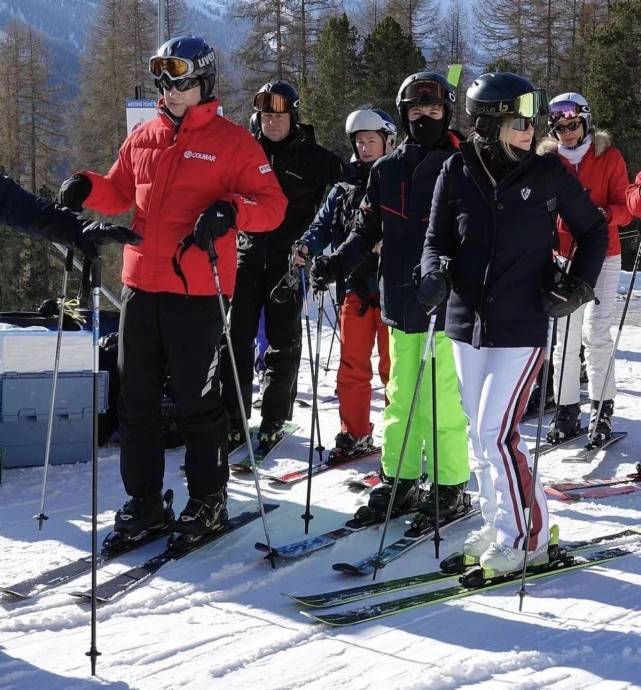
216, 619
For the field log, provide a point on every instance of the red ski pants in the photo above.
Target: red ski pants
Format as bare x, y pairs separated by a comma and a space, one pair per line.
358, 335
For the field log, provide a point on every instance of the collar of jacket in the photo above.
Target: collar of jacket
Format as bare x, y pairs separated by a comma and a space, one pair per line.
295, 138
195, 117
473, 164
601, 140
415, 155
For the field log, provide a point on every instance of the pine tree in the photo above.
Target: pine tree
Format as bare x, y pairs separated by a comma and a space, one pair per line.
389, 55
332, 91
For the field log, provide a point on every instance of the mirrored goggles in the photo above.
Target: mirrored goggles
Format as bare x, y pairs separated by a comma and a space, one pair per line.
268, 102
178, 84
173, 67
424, 92
564, 110
530, 105
570, 127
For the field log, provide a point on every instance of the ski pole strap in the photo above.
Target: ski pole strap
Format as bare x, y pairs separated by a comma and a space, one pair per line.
176, 260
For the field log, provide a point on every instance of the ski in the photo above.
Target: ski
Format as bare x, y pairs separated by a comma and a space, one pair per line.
244, 465
567, 563
372, 589
589, 452
305, 547
366, 481
120, 584
113, 547
400, 547
596, 488
330, 464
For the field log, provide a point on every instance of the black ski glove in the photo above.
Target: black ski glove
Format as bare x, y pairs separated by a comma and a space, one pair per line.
94, 233
324, 271
433, 289
215, 222
74, 191
566, 296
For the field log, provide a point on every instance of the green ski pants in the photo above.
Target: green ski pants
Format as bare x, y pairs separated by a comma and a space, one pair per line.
405, 354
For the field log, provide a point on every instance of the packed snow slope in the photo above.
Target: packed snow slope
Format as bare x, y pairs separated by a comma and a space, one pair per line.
217, 620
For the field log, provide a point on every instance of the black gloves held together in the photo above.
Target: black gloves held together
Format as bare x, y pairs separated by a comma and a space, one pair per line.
74, 191
566, 296
215, 222
324, 271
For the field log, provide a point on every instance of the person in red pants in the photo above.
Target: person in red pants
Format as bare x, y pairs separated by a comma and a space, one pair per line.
372, 134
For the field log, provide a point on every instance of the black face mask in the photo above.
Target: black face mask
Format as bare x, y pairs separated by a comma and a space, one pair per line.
427, 131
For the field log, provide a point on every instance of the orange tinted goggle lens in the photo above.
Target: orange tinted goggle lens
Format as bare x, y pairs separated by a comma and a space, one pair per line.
174, 67
424, 90
271, 102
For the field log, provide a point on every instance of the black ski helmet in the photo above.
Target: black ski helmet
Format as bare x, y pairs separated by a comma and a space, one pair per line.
436, 91
497, 94
278, 96
193, 58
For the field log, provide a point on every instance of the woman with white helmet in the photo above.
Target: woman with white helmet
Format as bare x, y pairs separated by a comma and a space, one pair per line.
601, 170
372, 134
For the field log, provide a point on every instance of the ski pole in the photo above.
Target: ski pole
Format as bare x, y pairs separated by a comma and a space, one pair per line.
41, 517
615, 346
537, 449
320, 448
410, 416
334, 331
96, 267
307, 516
213, 260
435, 480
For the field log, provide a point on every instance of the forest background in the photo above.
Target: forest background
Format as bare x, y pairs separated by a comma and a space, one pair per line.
340, 57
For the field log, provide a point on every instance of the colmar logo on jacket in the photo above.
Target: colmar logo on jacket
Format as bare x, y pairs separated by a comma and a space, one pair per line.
211, 157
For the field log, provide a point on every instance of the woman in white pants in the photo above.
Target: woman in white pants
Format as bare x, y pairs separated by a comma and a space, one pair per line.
492, 214
601, 170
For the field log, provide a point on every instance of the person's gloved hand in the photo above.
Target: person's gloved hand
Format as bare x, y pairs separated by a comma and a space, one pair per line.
324, 271
433, 289
215, 222
299, 254
94, 233
566, 296
74, 191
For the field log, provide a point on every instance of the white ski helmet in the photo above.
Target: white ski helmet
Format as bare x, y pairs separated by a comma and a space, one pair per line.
371, 120
567, 106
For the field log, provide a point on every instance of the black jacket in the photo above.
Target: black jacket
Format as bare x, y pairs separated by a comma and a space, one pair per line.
396, 209
501, 244
304, 170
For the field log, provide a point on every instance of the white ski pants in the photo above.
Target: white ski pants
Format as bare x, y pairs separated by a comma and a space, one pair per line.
495, 386
590, 325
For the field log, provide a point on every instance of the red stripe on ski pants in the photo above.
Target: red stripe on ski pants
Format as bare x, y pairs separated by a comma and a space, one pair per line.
495, 385
359, 334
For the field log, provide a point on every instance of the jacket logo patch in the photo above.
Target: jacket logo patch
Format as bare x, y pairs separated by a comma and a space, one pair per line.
264, 169
201, 156
525, 193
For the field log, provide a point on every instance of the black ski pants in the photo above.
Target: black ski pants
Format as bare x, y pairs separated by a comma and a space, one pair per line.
254, 283
160, 330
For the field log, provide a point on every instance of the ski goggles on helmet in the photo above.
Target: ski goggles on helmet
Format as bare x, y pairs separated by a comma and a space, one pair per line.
566, 110
179, 84
269, 102
173, 67
570, 127
531, 105
427, 92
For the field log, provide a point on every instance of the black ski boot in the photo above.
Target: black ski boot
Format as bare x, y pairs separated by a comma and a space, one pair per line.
235, 435
348, 446
565, 424
269, 434
408, 496
203, 516
139, 516
452, 502
600, 430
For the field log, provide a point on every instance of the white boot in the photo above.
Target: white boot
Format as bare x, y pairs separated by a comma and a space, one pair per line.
500, 558
478, 541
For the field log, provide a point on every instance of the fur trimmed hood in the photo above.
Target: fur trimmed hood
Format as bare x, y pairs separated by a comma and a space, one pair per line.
601, 138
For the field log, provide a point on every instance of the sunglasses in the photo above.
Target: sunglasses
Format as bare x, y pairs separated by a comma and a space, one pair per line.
522, 124
570, 127
424, 92
268, 102
178, 84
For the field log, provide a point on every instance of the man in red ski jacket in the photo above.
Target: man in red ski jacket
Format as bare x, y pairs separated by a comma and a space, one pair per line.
192, 177
633, 197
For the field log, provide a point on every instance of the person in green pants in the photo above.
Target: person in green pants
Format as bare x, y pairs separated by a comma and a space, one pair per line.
395, 210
